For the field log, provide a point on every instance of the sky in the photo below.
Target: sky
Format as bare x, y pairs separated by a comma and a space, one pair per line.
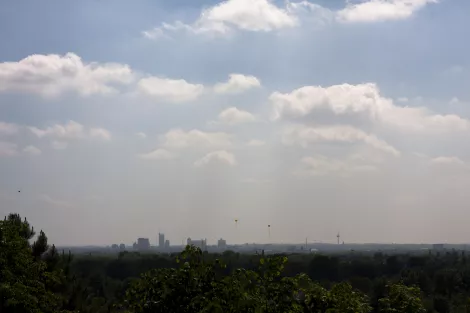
121, 119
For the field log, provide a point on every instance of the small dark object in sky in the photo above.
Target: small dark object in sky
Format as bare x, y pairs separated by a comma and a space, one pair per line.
19, 190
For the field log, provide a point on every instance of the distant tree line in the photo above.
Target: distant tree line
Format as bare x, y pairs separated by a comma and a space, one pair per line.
35, 277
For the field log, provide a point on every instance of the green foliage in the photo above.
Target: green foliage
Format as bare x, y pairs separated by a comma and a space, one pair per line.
24, 280
37, 278
198, 286
402, 299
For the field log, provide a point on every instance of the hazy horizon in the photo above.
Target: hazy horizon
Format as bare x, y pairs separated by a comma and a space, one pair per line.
121, 120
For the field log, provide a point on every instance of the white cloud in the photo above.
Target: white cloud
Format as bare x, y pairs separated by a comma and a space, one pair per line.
256, 143
51, 75
171, 90
70, 130
178, 139
251, 15
380, 10
320, 165
364, 100
59, 145
247, 15
55, 202
158, 154
156, 33
265, 16
221, 157
32, 150
237, 83
403, 99
8, 128
141, 135
305, 136
100, 133
312, 15
448, 161
8, 149
234, 116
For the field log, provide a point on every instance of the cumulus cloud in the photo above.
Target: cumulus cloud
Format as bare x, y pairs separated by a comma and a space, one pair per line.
180, 139
100, 133
266, 16
172, 90
8, 149
32, 150
155, 33
233, 116
362, 100
320, 165
444, 160
237, 83
52, 75
246, 15
8, 128
70, 130
59, 145
220, 157
141, 135
306, 136
158, 154
380, 10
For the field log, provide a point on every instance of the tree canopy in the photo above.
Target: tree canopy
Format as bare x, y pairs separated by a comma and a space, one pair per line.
35, 277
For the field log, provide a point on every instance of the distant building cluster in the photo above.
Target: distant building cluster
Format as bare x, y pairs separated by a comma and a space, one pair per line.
163, 245
202, 244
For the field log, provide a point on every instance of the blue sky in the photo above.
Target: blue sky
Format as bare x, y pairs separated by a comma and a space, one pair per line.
180, 116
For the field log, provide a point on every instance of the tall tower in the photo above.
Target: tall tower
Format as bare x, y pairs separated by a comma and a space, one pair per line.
338, 236
161, 240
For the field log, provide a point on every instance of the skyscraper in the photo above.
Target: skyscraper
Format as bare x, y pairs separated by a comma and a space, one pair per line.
222, 244
161, 240
143, 244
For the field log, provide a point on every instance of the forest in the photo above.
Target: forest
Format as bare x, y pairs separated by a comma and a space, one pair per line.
35, 277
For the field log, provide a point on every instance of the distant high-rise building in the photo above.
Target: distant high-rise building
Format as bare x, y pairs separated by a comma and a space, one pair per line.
161, 240
114, 246
222, 244
167, 244
122, 247
202, 244
143, 244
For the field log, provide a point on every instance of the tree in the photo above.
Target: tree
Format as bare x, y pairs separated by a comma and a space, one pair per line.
25, 282
40, 246
200, 286
402, 299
